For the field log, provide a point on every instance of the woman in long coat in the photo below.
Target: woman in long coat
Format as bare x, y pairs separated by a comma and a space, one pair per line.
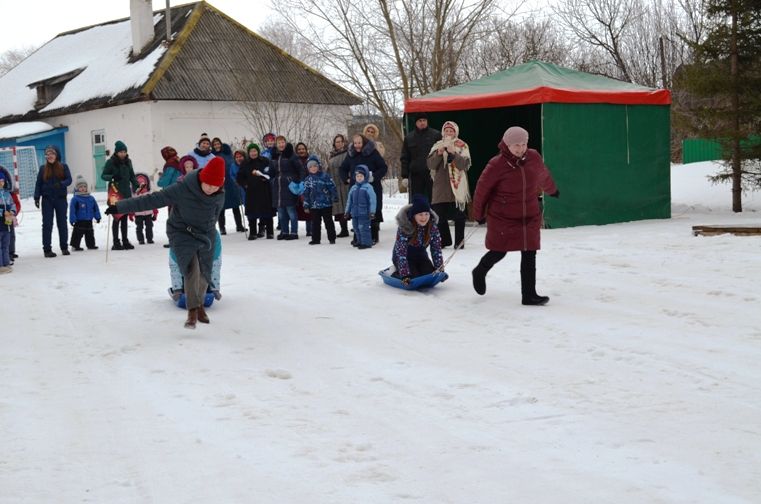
363, 152
254, 176
337, 156
196, 203
506, 199
448, 163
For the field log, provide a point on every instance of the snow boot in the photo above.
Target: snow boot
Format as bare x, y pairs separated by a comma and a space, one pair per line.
190, 323
117, 245
201, 315
529, 297
127, 245
49, 253
65, 252
479, 279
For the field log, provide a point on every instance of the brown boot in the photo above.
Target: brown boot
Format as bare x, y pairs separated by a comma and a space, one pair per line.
202, 317
190, 323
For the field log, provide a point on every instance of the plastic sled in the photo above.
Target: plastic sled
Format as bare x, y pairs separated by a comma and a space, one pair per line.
421, 282
182, 303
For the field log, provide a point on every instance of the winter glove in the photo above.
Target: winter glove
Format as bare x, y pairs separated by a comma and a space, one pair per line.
406, 281
153, 218
111, 210
37, 202
482, 221
556, 194
347, 216
372, 216
97, 221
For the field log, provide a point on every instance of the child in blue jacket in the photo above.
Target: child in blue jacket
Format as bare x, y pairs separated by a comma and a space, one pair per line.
82, 210
360, 207
9, 210
319, 195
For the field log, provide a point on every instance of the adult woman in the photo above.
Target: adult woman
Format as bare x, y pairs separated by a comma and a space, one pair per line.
302, 154
285, 168
363, 152
254, 176
371, 132
448, 163
197, 202
506, 197
50, 191
232, 195
119, 173
337, 156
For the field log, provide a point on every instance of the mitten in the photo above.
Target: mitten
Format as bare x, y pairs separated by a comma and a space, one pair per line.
111, 210
37, 202
97, 221
153, 218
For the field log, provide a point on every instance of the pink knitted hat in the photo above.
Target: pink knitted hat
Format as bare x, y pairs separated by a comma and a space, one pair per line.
515, 135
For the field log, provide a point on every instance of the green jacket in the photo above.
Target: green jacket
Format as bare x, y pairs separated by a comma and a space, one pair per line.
191, 226
122, 175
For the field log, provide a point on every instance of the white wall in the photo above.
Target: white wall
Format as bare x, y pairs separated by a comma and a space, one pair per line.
146, 127
129, 123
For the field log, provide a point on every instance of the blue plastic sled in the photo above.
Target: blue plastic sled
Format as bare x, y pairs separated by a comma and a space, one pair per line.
421, 282
208, 300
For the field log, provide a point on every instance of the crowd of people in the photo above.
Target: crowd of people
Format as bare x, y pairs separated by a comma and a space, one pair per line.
278, 179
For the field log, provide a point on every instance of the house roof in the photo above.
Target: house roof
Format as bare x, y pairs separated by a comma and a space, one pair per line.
211, 57
24, 129
536, 82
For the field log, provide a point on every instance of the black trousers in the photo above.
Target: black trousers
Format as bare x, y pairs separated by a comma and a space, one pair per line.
236, 216
84, 229
420, 183
420, 266
447, 211
265, 224
528, 268
147, 221
120, 223
326, 215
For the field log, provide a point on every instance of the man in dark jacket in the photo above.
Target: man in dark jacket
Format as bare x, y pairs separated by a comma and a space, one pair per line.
417, 145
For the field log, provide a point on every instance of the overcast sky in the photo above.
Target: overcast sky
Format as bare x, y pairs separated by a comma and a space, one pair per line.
34, 22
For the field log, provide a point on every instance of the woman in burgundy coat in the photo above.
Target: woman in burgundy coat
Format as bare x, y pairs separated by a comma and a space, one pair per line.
507, 198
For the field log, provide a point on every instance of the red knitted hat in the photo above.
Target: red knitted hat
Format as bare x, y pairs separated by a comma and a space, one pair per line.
214, 172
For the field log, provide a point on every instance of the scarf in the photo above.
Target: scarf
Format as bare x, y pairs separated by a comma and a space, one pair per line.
458, 179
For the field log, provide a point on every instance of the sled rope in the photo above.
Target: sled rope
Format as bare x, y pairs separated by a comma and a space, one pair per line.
462, 242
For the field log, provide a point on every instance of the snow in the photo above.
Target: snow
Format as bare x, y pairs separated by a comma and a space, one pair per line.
23, 129
103, 51
314, 382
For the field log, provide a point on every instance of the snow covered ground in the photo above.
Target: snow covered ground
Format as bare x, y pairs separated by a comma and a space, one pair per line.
640, 382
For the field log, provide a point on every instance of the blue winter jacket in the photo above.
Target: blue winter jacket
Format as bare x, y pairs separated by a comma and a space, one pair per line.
169, 177
319, 191
361, 200
54, 188
83, 207
202, 159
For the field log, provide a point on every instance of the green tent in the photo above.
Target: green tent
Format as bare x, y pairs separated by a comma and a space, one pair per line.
605, 141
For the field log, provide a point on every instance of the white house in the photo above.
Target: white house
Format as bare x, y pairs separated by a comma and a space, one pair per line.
123, 80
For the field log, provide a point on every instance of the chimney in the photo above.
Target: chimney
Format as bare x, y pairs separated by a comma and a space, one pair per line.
141, 22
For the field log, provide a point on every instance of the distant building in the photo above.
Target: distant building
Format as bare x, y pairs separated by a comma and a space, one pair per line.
122, 80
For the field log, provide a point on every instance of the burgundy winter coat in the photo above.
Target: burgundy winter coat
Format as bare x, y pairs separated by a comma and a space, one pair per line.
507, 195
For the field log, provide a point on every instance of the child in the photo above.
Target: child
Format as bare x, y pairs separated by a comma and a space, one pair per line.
187, 165
146, 217
82, 210
417, 231
319, 194
360, 207
6, 225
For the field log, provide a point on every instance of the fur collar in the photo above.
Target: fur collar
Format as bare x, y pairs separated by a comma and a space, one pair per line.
406, 225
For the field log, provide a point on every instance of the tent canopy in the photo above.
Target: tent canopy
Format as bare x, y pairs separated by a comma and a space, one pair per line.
536, 82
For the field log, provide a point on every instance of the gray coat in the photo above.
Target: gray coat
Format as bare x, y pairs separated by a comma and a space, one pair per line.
191, 224
334, 168
442, 188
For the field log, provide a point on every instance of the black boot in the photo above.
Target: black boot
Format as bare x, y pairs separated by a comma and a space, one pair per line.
127, 245
117, 245
49, 253
528, 281
479, 279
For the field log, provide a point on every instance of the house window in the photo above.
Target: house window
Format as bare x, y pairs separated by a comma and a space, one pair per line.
49, 89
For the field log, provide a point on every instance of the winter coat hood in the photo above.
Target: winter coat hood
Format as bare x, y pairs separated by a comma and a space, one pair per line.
367, 149
287, 152
224, 151
407, 225
364, 171
188, 158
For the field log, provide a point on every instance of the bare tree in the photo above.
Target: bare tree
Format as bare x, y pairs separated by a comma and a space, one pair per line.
389, 50
12, 57
291, 41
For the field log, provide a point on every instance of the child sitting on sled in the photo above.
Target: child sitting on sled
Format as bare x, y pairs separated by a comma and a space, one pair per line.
417, 232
